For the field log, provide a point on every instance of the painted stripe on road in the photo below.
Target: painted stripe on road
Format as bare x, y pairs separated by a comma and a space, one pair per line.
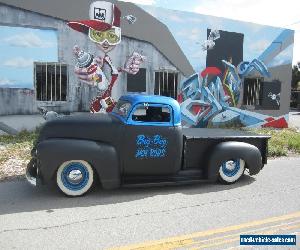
188, 239
237, 237
266, 230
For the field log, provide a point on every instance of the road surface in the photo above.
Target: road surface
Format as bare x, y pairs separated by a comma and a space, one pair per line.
209, 216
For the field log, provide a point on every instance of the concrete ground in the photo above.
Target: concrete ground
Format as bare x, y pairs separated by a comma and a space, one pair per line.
210, 216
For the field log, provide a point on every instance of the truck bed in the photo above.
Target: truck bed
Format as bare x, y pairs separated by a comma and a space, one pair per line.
201, 133
199, 142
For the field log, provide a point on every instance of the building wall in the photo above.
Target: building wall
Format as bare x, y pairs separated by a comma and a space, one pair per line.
23, 101
227, 56
243, 70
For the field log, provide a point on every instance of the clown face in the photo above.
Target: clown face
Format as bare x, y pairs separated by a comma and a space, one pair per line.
106, 40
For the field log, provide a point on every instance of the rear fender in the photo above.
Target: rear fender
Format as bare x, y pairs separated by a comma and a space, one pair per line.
103, 157
233, 150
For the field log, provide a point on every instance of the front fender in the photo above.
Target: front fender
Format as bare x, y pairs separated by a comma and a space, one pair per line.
232, 150
103, 157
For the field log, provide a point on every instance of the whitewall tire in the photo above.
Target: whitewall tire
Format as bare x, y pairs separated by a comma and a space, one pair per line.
75, 177
231, 170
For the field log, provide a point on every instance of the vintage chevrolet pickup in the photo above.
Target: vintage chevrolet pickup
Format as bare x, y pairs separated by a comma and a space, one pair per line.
141, 142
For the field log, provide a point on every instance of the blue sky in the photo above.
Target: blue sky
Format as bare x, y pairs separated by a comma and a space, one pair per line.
274, 13
19, 48
190, 31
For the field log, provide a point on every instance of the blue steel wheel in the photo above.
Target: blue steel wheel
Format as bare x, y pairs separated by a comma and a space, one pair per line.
75, 178
231, 170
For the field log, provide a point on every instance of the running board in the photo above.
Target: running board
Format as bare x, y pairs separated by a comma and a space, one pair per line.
181, 178
162, 184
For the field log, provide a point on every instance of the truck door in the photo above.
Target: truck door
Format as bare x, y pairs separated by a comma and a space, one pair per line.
152, 144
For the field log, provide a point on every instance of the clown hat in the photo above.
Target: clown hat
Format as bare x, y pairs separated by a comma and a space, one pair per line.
103, 16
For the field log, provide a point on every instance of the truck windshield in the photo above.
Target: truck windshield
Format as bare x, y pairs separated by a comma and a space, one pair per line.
122, 108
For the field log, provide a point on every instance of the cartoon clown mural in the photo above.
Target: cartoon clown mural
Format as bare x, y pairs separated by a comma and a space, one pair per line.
103, 28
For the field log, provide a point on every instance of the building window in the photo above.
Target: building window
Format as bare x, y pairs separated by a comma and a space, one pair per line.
51, 81
252, 91
262, 95
166, 83
137, 82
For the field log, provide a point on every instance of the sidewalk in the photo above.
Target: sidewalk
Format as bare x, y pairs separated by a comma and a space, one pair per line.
18, 123
21, 122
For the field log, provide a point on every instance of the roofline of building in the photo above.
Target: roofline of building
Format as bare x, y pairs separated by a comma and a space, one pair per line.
147, 28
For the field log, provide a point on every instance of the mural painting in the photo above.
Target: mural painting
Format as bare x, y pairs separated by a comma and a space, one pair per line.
104, 30
213, 98
20, 47
241, 70
233, 62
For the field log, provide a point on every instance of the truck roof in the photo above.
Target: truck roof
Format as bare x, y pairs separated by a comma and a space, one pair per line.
156, 99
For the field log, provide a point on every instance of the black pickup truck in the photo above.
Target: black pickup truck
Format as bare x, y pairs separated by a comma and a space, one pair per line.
141, 142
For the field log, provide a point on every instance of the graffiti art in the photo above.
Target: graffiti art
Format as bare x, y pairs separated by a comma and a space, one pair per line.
103, 29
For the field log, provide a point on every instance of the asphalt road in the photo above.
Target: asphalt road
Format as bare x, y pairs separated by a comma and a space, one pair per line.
188, 217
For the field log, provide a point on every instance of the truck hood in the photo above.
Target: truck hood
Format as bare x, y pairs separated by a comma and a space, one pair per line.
96, 127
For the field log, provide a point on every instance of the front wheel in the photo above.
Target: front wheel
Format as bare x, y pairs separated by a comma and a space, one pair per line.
231, 170
75, 178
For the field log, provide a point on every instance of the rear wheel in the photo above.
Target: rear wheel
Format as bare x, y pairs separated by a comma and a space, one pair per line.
75, 178
231, 170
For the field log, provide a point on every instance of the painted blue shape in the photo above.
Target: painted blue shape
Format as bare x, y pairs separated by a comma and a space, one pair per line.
248, 118
141, 153
156, 153
153, 100
224, 118
142, 140
280, 43
245, 68
151, 146
159, 141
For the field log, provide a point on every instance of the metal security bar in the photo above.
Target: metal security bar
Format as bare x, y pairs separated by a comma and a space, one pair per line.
252, 91
166, 83
51, 81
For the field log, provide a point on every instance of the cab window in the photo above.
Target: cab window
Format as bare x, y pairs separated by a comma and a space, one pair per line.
152, 113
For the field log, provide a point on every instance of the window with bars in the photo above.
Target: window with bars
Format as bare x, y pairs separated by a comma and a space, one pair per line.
252, 91
166, 83
261, 94
51, 81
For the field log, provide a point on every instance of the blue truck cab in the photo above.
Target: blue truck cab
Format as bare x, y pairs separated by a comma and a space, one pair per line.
128, 105
141, 142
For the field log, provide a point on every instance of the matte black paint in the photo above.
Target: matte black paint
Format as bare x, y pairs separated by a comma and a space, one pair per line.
168, 165
233, 150
199, 143
103, 158
109, 146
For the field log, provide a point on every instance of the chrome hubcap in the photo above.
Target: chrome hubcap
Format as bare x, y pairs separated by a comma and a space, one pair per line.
75, 176
230, 165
